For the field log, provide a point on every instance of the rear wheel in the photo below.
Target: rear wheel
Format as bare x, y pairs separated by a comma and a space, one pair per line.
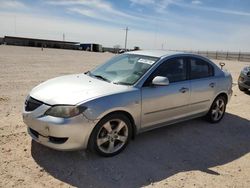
111, 135
217, 110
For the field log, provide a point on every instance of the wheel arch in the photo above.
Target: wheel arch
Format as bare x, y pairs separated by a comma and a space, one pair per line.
223, 94
127, 114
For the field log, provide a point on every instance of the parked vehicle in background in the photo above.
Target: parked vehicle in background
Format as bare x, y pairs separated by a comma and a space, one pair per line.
131, 93
244, 79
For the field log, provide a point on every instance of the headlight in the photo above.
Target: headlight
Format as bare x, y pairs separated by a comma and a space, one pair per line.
65, 111
246, 70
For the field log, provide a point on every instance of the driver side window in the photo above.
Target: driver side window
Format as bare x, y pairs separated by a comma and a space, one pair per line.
174, 69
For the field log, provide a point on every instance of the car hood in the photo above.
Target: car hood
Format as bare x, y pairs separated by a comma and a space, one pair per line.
73, 89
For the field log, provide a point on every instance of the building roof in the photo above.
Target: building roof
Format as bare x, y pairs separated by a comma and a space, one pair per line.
42, 40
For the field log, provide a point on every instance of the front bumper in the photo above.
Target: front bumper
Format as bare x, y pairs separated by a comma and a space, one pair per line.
58, 133
244, 81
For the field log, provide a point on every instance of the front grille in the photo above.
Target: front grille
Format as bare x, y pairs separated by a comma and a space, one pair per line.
32, 104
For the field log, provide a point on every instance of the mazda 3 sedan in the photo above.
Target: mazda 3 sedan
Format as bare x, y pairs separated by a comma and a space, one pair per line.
104, 108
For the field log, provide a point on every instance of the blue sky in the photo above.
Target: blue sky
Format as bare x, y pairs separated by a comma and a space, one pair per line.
153, 24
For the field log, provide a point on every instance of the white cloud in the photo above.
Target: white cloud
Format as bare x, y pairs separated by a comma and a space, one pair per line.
93, 3
162, 5
93, 14
159, 5
226, 11
142, 2
97, 5
214, 9
196, 2
11, 4
102, 10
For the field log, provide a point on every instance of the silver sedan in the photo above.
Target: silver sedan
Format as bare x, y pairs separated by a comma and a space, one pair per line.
134, 92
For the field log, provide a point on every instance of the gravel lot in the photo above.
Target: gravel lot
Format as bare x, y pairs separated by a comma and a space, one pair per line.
189, 154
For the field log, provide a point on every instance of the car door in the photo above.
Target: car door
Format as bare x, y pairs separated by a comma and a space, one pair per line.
203, 84
166, 103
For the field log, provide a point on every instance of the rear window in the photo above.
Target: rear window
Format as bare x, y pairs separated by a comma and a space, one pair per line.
200, 69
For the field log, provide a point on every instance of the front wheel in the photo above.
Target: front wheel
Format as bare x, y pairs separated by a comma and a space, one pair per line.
111, 135
217, 110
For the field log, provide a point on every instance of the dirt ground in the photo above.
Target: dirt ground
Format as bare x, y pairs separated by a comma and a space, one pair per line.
189, 154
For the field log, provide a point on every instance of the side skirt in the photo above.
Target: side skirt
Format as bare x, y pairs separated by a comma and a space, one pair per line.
171, 122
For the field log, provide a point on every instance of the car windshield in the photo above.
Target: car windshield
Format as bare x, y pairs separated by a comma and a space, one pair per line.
124, 69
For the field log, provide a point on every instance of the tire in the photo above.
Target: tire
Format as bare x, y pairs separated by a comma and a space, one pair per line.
242, 88
217, 110
111, 135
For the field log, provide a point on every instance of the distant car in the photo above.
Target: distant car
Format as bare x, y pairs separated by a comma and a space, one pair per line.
121, 51
244, 79
131, 93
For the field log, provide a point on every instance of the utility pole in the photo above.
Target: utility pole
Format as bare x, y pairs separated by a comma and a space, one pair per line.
63, 36
126, 38
163, 45
15, 25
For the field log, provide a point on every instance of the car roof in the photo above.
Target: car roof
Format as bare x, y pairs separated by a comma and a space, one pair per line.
154, 53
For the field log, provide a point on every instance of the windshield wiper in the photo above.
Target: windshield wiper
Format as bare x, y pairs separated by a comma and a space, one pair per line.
122, 83
101, 77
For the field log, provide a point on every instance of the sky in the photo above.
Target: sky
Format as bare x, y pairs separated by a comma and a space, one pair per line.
153, 24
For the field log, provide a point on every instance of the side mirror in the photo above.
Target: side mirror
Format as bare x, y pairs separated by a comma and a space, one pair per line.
160, 81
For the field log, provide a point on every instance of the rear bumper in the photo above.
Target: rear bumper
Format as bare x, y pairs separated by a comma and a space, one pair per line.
58, 133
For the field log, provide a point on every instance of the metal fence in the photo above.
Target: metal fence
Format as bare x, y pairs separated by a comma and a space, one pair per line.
238, 56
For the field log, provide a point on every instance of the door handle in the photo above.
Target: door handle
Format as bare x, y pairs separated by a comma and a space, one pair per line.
183, 90
212, 85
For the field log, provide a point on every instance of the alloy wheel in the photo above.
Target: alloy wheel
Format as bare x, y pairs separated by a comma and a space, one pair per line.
218, 109
112, 136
